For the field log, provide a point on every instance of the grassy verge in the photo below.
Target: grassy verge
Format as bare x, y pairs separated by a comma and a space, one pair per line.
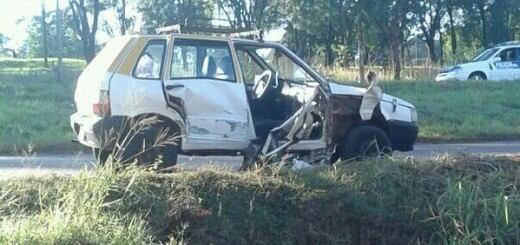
34, 107
462, 111
464, 200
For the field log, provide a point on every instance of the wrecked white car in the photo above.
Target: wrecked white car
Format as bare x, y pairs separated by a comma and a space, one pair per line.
205, 95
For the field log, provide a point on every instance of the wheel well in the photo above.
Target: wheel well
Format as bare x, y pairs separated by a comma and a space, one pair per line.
378, 120
163, 120
479, 73
352, 121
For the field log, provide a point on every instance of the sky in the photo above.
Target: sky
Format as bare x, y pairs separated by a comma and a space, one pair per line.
14, 10
16, 14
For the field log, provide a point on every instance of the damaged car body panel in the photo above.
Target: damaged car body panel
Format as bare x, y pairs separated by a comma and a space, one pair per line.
226, 95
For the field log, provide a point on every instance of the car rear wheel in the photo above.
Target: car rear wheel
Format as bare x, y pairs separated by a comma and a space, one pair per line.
149, 147
363, 142
100, 155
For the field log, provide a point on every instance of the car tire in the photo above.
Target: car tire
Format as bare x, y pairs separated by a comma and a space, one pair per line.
141, 149
477, 76
101, 155
363, 142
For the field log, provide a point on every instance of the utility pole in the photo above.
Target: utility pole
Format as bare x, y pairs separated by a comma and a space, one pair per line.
59, 37
44, 31
123, 18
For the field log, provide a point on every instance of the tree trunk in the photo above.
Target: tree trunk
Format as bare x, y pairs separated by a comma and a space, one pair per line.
44, 41
361, 52
329, 54
453, 35
483, 22
122, 18
59, 39
441, 40
395, 51
430, 42
82, 27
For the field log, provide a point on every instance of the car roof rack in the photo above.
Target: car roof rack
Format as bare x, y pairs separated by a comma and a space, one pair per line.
168, 29
206, 27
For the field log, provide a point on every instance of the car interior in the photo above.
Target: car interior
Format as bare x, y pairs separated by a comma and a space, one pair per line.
282, 97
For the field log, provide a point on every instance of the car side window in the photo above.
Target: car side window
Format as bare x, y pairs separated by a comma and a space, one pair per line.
249, 66
517, 55
194, 59
184, 63
149, 64
509, 55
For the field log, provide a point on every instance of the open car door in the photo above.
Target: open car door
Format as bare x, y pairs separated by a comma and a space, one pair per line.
203, 88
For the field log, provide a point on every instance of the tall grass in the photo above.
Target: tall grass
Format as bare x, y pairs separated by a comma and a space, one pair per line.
450, 200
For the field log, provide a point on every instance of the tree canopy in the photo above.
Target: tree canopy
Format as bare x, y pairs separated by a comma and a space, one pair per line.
328, 32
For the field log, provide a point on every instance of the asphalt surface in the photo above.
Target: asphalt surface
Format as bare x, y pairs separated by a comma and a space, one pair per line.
11, 166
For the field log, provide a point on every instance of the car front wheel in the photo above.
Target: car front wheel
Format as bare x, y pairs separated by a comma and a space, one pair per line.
363, 142
477, 76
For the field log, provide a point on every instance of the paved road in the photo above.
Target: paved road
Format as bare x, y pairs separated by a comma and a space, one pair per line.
69, 164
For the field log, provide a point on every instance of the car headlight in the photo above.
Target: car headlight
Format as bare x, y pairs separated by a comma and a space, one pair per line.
413, 112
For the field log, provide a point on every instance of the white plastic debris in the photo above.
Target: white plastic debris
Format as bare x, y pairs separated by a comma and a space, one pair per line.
299, 165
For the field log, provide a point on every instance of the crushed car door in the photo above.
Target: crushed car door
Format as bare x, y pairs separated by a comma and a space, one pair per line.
203, 88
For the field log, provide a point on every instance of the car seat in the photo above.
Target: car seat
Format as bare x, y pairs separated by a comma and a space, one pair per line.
209, 67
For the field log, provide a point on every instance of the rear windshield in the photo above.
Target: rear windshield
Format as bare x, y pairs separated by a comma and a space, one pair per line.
108, 55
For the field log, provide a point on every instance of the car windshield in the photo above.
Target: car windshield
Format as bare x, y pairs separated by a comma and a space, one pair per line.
278, 61
485, 55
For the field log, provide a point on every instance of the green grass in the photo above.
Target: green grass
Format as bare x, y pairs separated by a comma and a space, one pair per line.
34, 107
452, 200
461, 111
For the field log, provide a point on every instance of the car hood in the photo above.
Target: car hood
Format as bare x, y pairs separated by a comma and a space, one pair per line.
466, 66
341, 89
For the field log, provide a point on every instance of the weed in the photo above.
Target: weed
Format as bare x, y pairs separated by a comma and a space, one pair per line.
453, 199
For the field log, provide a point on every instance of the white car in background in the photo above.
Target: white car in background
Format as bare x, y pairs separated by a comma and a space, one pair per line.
501, 62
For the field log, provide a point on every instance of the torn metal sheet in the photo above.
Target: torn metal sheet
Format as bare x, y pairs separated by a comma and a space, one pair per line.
301, 126
371, 99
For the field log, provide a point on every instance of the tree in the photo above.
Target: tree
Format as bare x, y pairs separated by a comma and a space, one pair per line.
451, 7
187, 13
390, 18
84, 29
429, 14
44, 37
125, 23
250, 14
34, 46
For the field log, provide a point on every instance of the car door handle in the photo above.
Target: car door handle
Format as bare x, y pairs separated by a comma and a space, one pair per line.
170, 87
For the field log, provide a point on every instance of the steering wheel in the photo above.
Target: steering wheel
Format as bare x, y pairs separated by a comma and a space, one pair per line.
262, 82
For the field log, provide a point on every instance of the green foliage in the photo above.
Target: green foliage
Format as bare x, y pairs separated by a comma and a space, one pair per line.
246, 14
33, 45
159, 13
452, 200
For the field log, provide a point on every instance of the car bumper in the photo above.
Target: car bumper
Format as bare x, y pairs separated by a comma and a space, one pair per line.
83, 126
97, 132
402, 135
449, 77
